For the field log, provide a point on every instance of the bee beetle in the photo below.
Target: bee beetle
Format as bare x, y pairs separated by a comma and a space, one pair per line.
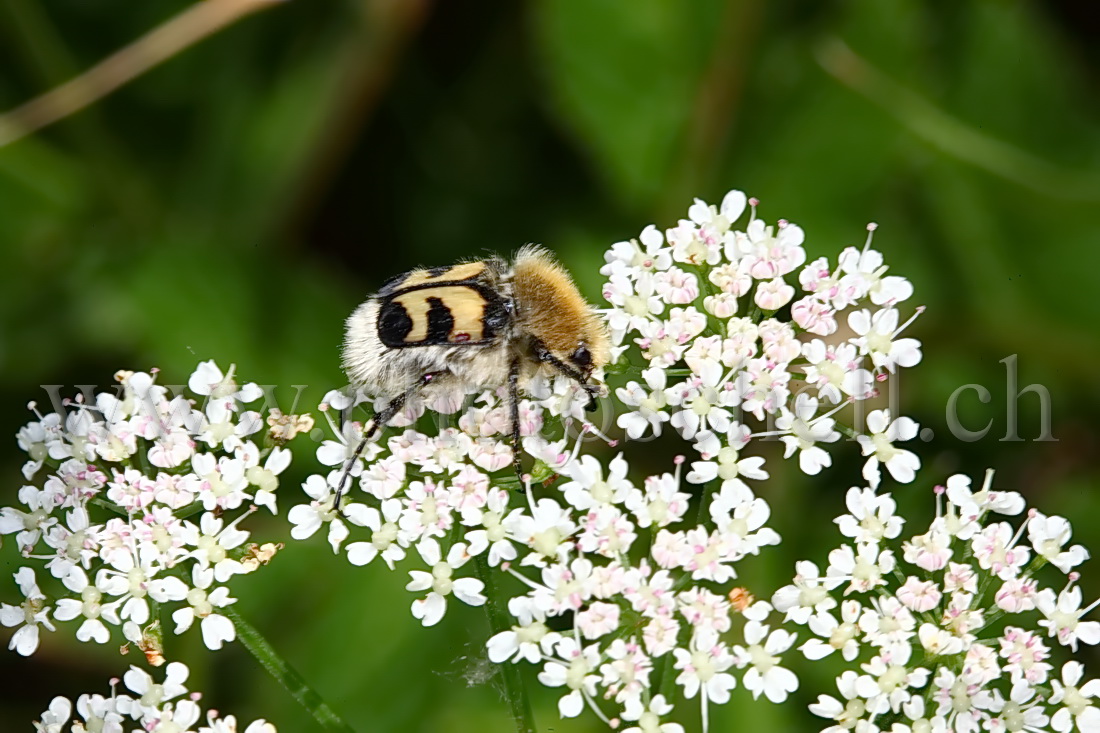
472, 326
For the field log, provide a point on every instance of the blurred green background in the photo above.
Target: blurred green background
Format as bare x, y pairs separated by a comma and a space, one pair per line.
238, 201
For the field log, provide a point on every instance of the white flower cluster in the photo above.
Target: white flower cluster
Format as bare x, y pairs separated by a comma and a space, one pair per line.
163, 707
950, 629
629, 622
627, 598
140, 505
755, 347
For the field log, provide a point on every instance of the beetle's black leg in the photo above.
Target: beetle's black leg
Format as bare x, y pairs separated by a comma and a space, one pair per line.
513, 407
378, 421
592, 391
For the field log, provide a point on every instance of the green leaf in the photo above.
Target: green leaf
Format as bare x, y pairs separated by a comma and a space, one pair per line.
623, 78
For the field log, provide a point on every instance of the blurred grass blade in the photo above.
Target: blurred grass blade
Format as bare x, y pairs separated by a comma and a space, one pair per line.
286, 675
197, 22
951, 135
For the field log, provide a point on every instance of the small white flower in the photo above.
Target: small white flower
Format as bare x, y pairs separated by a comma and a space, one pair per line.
995, 549
888, 677
28, 616
89, 606
648, 718
888, 625
761, 655
871, 517
440, 582
865, 270
662, 502
547, 530
677, 286
530, 640
1048, 535
931, 551
575, 669
985, 499
651, 403
308, 518
703, 609
938, 642
1025, 653
203, 604
634, 300
848, 716
1076, 701
56, 718
842, 636
589, 490
212, 543
863, 567
766, 253
814, 316
772, 295
625, 675
877, 337
1063, 617
806, 429
722, 460
597, 620
27, 526
703, 401
151, 694
703, 670
1022, 711
919, 595
836, 372
1017, 595
648, 252
879, 445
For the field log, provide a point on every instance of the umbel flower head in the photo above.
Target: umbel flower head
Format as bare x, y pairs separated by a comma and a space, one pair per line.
147, 705
952, 628
623, 587
136, 497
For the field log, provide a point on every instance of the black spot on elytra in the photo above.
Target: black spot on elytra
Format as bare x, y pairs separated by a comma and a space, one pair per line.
394, 324
437, 271
440, 322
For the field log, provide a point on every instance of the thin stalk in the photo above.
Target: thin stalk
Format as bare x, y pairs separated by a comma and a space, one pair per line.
497, 614
952, 136
34, 39
286, 675
194, 24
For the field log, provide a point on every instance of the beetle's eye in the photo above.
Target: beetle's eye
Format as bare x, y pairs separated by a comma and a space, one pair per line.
582, 357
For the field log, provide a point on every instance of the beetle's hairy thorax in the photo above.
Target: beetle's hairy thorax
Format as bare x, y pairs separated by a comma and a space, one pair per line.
550, 308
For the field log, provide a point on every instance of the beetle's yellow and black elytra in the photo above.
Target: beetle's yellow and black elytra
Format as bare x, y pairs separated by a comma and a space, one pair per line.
441, 306
472, 326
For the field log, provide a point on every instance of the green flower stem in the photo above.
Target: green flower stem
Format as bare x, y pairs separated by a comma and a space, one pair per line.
497, 613
286, 675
